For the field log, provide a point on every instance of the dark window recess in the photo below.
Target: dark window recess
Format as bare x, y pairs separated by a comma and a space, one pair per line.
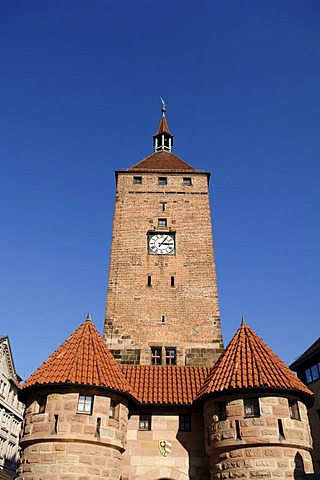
162, 180
137, 180
187, 181
98, 426
312, 373
156, 357
221, 411
162, 222
184, 423
251, 407
164, 206
114, 409
294, 410
55, 425
280, 428
144, 421
238, 433
170, 356
149, 280
42, 403
172, 281
163, 319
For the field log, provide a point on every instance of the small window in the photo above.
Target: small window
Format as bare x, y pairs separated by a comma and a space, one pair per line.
163, 206
280, 428
238, 431
163, 319
184, 423
137, 180
170, 356
156, 356
149, 280
308, 376
187, 181
315, 372
294, 410
221, 411
162, 222
172, 281
85, 404
42, 402
251, 407
162, 180
144, 421
114, 409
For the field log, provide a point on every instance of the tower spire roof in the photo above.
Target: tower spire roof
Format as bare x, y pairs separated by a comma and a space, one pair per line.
83, 358
249, 363
163, 140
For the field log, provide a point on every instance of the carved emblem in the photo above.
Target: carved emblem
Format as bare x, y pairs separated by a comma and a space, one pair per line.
164, 447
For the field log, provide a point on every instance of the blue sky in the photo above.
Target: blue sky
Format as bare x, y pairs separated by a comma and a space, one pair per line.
80, 83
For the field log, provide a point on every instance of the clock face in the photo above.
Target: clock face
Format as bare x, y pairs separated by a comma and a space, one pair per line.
161, 244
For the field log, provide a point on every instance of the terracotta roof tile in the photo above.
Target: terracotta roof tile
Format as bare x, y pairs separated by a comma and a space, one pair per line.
83, 358
165, 384
249, 363
163, 127
162, 161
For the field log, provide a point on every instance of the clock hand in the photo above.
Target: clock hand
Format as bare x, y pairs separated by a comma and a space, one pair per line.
163, 241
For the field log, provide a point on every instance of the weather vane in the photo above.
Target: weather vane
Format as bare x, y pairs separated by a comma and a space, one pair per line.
164, 107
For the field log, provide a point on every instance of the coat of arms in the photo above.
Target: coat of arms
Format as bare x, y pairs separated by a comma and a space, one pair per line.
164, 447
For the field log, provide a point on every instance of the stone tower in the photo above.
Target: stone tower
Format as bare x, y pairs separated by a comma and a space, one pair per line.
162, 302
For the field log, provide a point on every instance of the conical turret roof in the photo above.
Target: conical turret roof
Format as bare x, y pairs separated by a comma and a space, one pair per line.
248, 363
83, 358
163, 127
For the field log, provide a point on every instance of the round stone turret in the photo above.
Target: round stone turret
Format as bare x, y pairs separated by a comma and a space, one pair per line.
76, 414
255, 413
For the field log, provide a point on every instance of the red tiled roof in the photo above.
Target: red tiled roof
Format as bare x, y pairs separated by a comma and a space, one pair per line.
83, 358
248, 363
165, 384
163, 127
162, 161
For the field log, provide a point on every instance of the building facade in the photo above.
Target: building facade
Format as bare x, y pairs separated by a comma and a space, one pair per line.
307, 367
158, 398
11, 410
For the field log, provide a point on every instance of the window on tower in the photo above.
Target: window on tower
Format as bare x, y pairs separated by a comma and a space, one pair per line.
294, 410
170, 356
251, 407
162, 222
187, 181
162, 180
156, 356
184, 423
85, 404
137, 180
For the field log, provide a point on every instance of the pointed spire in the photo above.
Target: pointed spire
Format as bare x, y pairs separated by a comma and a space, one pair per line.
88, 317
243, 322
163, 140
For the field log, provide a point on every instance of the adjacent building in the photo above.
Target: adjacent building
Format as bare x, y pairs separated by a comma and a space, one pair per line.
11, 410
307, 367
158, 397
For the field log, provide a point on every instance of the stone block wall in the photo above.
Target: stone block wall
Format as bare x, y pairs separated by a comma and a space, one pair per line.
185, 314
61, 443
186, 459
267, 445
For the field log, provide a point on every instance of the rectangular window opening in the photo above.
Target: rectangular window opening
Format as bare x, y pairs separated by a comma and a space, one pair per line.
294, 410
187, 181
98, 427
85, 404
164, 206
144, 421
42, 402
137, 180
55, 425
170, 356
114, 409
163, 319
162, 222
238, 432
172, 281
280, 428
156, 356
184, 423
221, 411
162, 180
251, 407
149, 280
